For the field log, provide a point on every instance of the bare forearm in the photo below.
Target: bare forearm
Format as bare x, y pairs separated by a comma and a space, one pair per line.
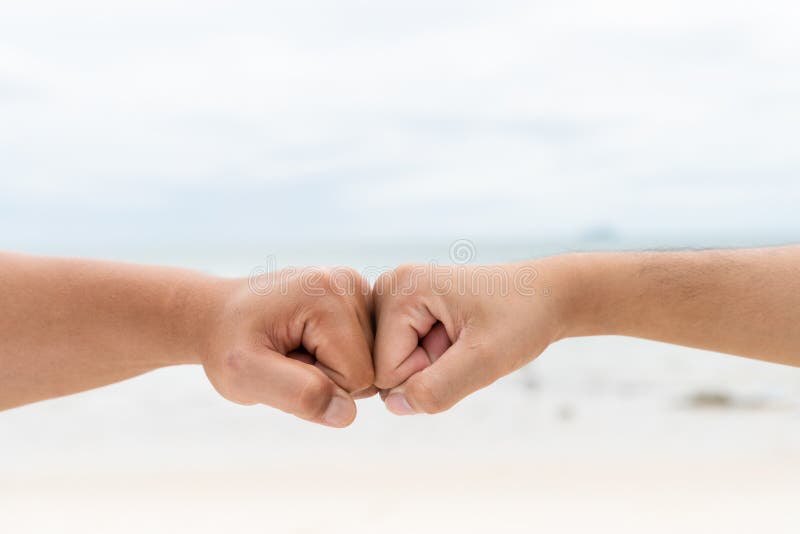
69, 325
744, 302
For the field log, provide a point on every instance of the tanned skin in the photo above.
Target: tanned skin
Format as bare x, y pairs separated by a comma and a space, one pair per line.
434, 347
302, 341
299, 341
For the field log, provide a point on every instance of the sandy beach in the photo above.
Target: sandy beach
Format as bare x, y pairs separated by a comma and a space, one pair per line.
518, 495
603, 434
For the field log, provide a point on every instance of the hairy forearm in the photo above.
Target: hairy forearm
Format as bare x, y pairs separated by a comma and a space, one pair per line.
744, 302
68, 325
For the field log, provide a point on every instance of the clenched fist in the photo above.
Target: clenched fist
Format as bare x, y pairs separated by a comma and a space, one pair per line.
446, 331
298, 341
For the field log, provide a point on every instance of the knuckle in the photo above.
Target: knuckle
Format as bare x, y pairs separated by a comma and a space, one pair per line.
386, 379
338, 282
315, 281
363, 378
385, 374
349, 278
401, 284
384, 284
322, 278
355, 374
405, 273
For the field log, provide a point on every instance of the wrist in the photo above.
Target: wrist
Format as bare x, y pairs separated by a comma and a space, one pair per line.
576, 282
604, 293
194, 306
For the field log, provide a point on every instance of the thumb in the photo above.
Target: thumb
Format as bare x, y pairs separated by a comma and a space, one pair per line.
267, 377
464, 368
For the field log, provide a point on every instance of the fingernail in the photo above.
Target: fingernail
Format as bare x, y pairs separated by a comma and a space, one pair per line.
339, 412
398, 405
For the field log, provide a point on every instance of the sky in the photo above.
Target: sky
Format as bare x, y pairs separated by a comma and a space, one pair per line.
206, 122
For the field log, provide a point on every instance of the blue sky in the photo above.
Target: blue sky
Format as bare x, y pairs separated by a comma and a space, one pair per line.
175, 121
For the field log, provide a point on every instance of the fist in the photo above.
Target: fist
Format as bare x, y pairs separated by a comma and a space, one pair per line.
444, 332
300, 341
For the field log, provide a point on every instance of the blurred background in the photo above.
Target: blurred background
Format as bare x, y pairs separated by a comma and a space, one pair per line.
227, 136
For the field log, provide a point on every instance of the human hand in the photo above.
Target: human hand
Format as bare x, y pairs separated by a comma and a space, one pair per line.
297, 341
444, 332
